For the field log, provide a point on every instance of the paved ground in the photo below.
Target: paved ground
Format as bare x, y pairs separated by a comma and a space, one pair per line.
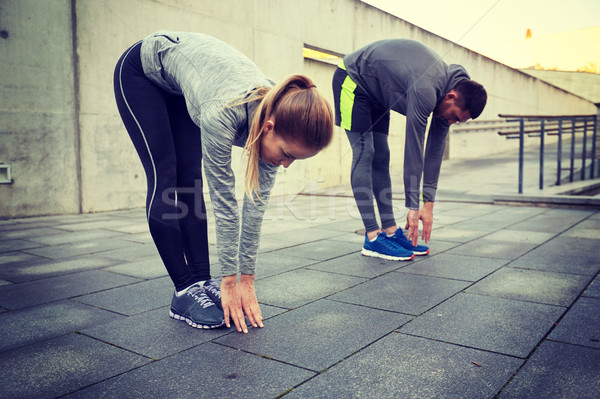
507, 304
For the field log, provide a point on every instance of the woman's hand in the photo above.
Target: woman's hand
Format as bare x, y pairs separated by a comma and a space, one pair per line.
249, 301
239, 298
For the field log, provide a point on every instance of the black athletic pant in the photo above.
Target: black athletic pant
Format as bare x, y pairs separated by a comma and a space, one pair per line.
367, 127
169, 146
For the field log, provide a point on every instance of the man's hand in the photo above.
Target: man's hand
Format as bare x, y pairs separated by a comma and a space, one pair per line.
239, 298
425, 215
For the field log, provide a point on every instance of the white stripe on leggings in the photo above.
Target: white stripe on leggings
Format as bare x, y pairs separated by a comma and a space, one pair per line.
141, 131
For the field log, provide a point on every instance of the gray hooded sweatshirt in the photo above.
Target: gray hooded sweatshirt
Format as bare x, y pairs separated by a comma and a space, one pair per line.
409, 78
210, 74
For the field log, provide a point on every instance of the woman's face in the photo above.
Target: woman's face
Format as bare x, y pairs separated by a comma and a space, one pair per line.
276, 150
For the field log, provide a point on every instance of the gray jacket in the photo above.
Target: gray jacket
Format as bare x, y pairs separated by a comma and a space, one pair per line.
209, 74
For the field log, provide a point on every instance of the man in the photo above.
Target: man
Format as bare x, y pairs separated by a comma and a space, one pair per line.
409, 78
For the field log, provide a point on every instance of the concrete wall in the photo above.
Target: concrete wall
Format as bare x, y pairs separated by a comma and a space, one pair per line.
60, 129
584, 84
38, 119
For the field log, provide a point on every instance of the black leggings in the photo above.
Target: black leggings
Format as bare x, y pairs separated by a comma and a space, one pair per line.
169, 146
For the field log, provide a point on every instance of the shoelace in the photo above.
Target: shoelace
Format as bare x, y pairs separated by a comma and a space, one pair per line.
200, 296
214, 289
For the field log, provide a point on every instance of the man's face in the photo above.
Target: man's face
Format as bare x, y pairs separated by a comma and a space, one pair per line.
450, 111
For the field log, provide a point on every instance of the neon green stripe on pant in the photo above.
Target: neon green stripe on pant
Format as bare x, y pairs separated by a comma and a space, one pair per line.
347, 103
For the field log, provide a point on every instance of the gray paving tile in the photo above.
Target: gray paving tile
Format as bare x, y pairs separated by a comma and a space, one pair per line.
104, 223
78, 248
38, 323
347, 225
510, 235
593, 290
134, 298
13, 258
153, 334
270, 243
589, 229
581, 324
306, 235
146, 268
532, 285
445, 218
273, 263
29, 233
401, 366
132, 252
17, 245
310, 336
357, 265
436, 246
452, 234
512, 214
459, 267
489, 248
268, 311
21, 272
563, 255
557, 370
357, 239
321, 250
61, 365
496, 324
474, 210
32, 293
132, 228
211, 371
554, 220
137, 213
66, 237
142, 238
401, 292
298, 287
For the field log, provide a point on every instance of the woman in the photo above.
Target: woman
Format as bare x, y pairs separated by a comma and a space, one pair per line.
187, 99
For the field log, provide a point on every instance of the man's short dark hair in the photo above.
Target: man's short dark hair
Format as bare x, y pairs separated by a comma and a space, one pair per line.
473, 95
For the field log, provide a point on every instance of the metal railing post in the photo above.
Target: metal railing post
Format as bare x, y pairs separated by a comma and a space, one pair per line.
559, 154
585, 123
542, 154
572, 150
594, 145
521, 131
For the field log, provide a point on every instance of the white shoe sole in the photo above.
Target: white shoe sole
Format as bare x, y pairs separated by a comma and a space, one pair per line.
191, 323
421, 253
373, 254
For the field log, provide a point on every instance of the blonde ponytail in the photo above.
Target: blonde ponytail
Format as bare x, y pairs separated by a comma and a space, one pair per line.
302, 115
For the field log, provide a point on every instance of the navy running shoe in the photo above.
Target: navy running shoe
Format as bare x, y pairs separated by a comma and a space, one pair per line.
197, 309
213, 290
400, 239
385, 248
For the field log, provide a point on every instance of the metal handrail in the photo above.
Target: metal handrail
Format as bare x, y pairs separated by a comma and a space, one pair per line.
579, 125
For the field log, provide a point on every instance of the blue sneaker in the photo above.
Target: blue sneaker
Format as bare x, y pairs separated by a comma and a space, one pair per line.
400, 239
197, 309
213, 290
385, 248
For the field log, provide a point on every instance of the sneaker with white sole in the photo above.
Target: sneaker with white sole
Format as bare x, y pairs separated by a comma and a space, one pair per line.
399, 238
197, 309
383, 247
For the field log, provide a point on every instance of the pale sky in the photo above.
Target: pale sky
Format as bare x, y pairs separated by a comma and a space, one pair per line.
483, 24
